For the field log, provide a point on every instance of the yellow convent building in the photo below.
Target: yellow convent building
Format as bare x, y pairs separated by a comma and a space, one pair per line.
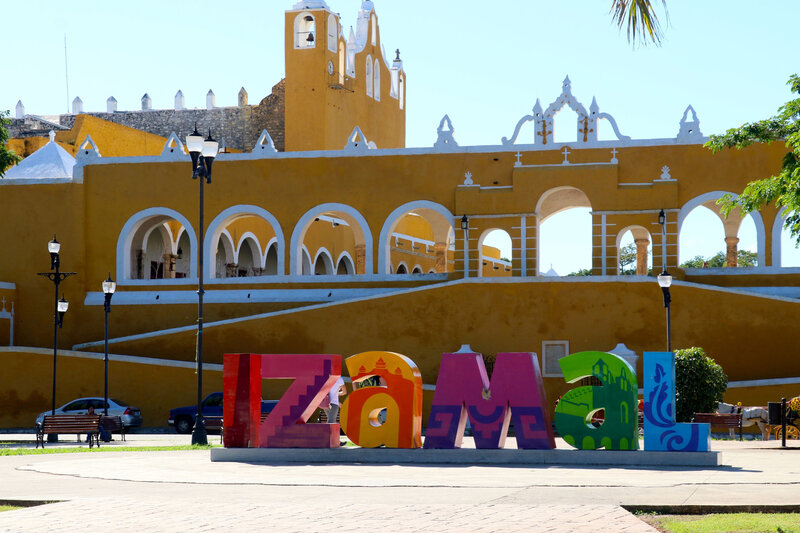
347, 241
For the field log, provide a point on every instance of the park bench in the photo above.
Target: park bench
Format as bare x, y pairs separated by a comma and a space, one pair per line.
729, 421
78, 424
113, 424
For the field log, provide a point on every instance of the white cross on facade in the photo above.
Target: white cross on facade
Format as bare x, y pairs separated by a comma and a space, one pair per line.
566, 152
518, 163
614, 155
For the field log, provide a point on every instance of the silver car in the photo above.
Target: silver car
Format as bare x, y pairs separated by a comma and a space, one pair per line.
131, 416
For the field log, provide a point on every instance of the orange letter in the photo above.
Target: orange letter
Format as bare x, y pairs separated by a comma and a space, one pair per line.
401, 396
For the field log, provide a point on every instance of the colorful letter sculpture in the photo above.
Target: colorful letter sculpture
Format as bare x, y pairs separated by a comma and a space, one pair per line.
401, 397
241, 407
314, 376
617, 396
661, 433
515, 392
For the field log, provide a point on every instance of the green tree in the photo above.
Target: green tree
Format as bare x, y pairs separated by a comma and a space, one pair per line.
581, 272
700, 383
627, 259
640, 19
745, 258
783, 188
7, 157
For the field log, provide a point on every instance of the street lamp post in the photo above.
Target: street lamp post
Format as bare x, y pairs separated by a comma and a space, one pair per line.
108, 291
465, 227
664, 279
203, 152
59, 309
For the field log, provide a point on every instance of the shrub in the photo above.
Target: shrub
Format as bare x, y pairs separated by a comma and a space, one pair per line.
700, 383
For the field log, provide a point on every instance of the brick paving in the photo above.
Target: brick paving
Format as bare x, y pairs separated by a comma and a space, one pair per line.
178, 491
216, 515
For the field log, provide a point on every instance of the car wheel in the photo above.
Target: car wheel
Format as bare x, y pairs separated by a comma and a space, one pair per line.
184, 425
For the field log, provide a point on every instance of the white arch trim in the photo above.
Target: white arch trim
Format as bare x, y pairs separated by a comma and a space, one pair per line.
404, 265
761, 233
125, 240
267, 247
384, 257
323, 252
351, 216
777, 231
349, 258
216, 228
257, 252
166, 237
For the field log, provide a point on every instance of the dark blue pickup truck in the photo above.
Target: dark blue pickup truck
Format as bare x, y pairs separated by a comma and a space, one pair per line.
182, 418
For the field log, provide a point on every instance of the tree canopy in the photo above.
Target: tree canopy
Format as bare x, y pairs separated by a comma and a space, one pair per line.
783, 188
7, 157
745, 258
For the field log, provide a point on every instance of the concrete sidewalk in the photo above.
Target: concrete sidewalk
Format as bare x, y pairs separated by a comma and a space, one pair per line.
175, 491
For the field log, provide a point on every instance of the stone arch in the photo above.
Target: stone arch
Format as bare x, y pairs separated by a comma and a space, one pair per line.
376, 84
553, 202
644, 243
133, 232
249, 245
333, 32
323, 261
439, 217
228, 256
558, 199
731, 225
345, 266
361, 233
271, 258
227, 217
490, 266
368, 75
305, 31
306, 262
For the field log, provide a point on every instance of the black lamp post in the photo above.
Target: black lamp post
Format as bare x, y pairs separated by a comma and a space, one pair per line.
108, 291
664, 281
59, 309
203, 152
465, 227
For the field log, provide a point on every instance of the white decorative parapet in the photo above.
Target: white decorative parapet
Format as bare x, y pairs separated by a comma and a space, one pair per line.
77, 105
88, 149
357, 142
180, 100
543, 120
173, 148
445, 141
19, 110
265, 146
147, 102
111, 105
690, 129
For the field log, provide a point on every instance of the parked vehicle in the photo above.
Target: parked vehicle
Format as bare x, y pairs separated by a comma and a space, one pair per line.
131, 416
183, 418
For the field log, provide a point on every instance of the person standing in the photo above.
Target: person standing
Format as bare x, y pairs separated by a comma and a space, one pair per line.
332, 409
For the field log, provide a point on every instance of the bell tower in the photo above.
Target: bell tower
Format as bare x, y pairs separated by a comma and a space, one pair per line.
334, 85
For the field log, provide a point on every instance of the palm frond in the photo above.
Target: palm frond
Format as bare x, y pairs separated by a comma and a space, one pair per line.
640, 18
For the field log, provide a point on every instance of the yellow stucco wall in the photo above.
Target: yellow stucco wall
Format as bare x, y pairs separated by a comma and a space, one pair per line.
153, 386
745, 334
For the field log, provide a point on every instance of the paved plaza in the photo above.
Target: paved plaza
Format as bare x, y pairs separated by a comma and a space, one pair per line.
178, 491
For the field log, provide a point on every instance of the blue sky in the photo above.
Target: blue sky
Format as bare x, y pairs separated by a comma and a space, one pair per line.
482, 64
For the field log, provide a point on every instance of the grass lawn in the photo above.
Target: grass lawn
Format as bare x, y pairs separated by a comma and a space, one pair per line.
8, 508
101, 449
726, 523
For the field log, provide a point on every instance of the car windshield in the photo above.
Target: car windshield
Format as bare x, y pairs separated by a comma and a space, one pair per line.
119, 402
